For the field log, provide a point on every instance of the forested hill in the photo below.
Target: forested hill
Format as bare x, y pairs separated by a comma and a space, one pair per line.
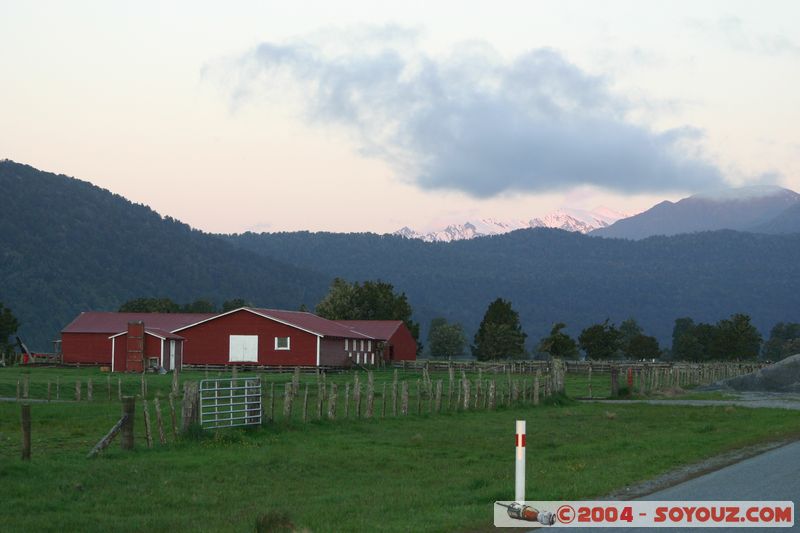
68, 246
552, 275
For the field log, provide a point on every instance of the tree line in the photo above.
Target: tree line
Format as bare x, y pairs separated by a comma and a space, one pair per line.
500, 336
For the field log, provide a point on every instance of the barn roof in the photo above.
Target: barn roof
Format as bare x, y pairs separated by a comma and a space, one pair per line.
312, 323
112, 323
309, 322
377, 329
160, 333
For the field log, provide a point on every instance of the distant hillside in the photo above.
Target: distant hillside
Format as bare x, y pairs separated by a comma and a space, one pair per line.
552, 275
741, 209
788, 221
68, 246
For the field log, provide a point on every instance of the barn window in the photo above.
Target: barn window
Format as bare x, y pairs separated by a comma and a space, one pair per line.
362, 344
282, 343
243, 348
369, 346
345, 345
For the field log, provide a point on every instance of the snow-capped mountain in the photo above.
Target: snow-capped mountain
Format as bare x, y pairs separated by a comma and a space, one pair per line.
565, 219
739, 209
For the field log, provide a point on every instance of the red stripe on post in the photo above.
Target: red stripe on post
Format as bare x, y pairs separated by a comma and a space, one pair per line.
523, 441
519, 440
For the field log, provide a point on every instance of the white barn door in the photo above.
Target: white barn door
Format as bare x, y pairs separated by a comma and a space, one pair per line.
243, 348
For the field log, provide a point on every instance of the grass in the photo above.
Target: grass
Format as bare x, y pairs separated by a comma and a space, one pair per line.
420, 473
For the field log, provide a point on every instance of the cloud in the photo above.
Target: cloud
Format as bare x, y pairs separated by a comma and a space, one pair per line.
475, 122
734, 33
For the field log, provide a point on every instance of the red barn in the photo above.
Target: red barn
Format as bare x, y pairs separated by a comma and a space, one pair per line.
87, 338
141, 344
399, 344
274, 337
245, 336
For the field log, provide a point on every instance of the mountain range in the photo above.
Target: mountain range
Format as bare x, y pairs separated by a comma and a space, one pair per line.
68, 246
565, 219
762, 209
753, 209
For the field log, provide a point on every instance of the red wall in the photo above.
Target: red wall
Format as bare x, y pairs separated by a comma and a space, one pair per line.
152, 348
405, 347
208, 343
86, 348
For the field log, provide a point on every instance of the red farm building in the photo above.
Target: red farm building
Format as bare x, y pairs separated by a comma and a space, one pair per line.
398, 343
88, 338
245, 336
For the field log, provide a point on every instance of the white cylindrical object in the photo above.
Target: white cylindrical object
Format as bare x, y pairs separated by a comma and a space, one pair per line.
519, 485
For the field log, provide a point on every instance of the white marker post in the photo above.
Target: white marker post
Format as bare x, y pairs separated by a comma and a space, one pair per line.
519, 486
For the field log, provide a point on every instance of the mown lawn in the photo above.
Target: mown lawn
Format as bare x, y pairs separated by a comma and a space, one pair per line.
419, 473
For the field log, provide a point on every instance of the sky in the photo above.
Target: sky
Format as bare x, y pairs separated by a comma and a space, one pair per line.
371, 116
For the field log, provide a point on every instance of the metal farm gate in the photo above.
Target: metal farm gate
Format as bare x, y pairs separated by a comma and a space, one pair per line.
226, 402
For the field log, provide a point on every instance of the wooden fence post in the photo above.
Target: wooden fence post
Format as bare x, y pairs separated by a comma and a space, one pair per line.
438, 402
320, 396
26, 386
305, 405
159, 422
370, 395
383, 401
191, 402
176, 375
492, 394
271, 402
77, 390
419, 399
466, 393
147, 433
26, 432
287, 401
48, 391
536, 387
394, 396
404, 405
89, 390
119, 389
332, 401
172, 416
296, 380
614, 381
357, 395
128, 412
19, 388
58, 387
347, 400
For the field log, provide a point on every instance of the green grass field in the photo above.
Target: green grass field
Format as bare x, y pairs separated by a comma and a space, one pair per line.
418, 473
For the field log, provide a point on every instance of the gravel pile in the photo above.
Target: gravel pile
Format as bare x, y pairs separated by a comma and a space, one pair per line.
783, 376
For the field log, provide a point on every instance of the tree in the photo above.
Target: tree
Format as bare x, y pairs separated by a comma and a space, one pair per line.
784, 340
500, 334
642, 347
736, 338
372, 300
150, 305
199, 306
8, 327
682, 326
693, 342
629, 329
558, 343
236, 303
446, 339
600, 341
635, 344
